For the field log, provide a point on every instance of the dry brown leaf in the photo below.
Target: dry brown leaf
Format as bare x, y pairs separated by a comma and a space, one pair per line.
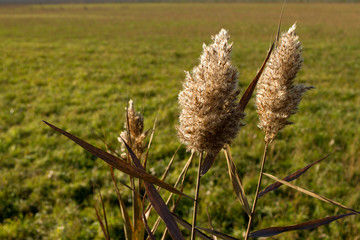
118, 163
311, 193
249, 91
187, 225
101, 223
268, 232
236, 182
208, 162
289, 178
218, 234
128, 228
157, 202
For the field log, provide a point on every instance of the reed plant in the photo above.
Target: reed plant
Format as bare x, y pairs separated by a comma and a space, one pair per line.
211, 114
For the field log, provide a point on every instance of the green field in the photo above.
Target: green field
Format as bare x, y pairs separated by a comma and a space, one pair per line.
77, 65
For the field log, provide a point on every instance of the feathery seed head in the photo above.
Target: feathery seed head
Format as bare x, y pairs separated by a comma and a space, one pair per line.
133, 126
277, 97
209, 117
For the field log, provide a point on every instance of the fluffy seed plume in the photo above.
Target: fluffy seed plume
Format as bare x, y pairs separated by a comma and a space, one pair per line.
133, 133
277, 97
209, 117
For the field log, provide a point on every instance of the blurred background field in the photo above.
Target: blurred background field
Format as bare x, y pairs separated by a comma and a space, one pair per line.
169, 1
76, 66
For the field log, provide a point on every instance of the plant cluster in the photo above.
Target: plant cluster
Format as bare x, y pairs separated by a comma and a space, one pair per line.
210, 118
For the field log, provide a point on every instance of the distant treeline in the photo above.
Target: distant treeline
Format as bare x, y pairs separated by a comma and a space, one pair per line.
175, 1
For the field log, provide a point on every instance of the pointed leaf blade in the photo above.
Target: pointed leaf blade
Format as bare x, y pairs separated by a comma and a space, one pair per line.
307, 192
208, 162
278, 30
101, 223
150, 234
272, 231
210, 222
181, 175
157, 202
166, 172
104, 212
218, 234
187, 225
236, 182
150, 142
148, 230
249, 91
117, 163
289, 178
128, 228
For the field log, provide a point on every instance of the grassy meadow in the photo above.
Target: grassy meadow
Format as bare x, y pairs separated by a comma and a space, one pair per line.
77, 66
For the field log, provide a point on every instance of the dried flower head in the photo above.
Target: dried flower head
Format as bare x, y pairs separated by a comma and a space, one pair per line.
133, 126
209, 117
277, 97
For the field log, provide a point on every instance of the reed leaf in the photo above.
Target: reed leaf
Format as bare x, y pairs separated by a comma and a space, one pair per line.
104, 212
272, 231
250, 89
311, 193
163, 177
148, 230
118, 163
175, 204
289, 178
279, 25
187, 225
128, 228
210, 222
157, 202
148, 208
208, 162
218, 234
181, 175
236, 182
101, 223
150, 142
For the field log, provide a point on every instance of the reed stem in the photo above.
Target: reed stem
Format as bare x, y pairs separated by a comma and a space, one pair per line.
196, 197
257, 191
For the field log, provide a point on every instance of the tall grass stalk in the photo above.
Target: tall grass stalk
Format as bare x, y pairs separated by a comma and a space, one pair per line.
257, 190
196, 197
277, 98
